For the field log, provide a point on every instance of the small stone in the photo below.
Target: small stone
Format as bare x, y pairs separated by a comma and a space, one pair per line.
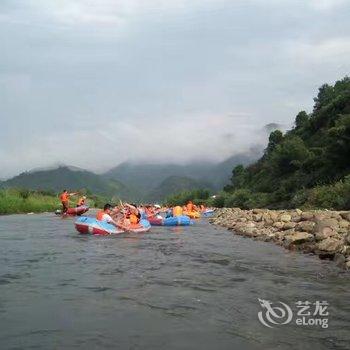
307, 226
278, 225
347, 239
330, 245
298, 238
307, 216
322, 216
325, 233
344, 223
326, 228
345, 215
289, 225
296, 218
346, 250
257, 217
285, 218
273, 216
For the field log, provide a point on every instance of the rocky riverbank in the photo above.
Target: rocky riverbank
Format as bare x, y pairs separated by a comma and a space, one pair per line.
321, 232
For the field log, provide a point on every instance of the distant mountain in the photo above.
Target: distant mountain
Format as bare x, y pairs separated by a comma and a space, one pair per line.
221, 173
133, 182
146, 177
174, 184
71, 178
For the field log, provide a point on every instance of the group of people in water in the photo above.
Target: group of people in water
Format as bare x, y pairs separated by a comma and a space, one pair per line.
127, 215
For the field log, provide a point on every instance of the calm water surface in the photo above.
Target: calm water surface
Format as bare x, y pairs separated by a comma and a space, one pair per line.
173, 288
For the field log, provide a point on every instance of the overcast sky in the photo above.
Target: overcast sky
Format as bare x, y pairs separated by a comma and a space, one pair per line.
95, 83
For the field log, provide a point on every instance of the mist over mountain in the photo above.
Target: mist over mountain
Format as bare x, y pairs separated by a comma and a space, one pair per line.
175, 184
71, 178
144, 177
131, 181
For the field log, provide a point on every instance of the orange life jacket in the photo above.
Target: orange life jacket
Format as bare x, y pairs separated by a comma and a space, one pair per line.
189, 206
133, 219
99, 215
177, 211
64, 197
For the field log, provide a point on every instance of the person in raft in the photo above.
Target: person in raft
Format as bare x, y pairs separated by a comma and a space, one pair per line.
64, 198
133, 214
81, 201
105, 215
190, 206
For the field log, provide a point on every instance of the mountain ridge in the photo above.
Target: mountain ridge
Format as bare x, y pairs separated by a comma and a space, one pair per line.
134, 182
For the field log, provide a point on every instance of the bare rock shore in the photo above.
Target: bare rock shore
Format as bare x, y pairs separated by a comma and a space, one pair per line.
321, 232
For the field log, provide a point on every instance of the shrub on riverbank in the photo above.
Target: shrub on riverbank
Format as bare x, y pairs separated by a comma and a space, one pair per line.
16, 201
335, 197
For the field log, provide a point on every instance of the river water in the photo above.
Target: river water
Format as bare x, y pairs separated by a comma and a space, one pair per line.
173, 288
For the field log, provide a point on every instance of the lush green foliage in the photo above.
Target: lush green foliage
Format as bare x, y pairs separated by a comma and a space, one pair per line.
307, 166
14, 201
200, 196
336, 196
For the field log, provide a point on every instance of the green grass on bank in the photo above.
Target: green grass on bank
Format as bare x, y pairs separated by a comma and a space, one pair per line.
18, 201
14, 201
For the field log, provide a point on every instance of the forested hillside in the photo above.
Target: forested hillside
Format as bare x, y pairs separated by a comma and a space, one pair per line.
307, 166
71, 178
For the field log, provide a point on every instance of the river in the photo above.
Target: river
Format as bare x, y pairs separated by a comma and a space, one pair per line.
173, 288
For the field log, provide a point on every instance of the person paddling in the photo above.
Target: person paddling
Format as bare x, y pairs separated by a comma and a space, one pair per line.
134, 214
105, 215
64, 198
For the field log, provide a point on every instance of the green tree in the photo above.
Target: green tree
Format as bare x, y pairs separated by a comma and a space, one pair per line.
275, 138
238, 178
301, 119
289, 155
324, 96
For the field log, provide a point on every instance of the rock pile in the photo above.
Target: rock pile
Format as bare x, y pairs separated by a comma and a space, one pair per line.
322, 232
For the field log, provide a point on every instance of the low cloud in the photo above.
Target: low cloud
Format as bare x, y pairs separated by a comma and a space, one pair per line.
95, 84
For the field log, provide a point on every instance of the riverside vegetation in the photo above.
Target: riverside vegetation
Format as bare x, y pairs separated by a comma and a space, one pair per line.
307, 167
17, 201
